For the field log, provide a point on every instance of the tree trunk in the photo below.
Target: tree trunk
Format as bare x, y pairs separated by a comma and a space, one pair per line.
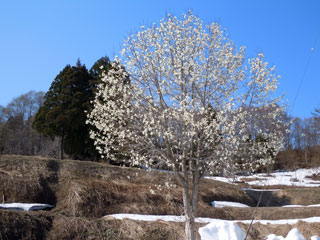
306, 156
189, 214
195, 194
61, 146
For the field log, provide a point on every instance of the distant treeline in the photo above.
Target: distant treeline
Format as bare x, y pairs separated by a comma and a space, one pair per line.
303, 143
54, 123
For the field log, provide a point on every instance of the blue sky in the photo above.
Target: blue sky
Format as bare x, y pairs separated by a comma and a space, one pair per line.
38, 38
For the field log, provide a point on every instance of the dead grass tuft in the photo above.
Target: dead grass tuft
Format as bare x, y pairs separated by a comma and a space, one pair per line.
140, 230
26, 189
82, 228
21, 225
96, 198
314, 177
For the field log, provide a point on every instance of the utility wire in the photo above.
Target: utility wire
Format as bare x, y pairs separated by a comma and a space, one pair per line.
254, 215
294, 101
304, 72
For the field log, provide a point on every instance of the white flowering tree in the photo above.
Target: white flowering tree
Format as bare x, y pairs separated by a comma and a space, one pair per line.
188, 104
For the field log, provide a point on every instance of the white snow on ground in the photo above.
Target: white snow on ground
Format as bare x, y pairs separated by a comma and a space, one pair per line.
25, 206
283, 221
221, 230
274, 237
224, 179
173, 218
229, 230
313, 205
296, 178
148, 218
220, 204
294, 234
293, 178
260, 190
224, 229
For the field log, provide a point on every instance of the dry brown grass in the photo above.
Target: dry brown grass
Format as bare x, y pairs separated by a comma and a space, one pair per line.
141, 230
83, 192
22, 225
85, 189
96, 198
296, 196
25, 189
303, 196
82, 228
315, 177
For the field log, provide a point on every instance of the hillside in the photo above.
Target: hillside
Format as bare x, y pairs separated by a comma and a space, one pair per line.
84, 192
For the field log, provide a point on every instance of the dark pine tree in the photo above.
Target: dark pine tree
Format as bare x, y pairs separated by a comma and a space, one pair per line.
63, 112
101, 65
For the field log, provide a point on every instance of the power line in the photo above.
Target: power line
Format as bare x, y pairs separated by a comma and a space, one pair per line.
304, 72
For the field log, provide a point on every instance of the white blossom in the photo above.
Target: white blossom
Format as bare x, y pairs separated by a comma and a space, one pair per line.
193, 102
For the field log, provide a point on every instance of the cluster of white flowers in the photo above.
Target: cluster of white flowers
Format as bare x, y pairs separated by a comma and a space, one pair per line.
192, 103
169, 185
152, 191
110, 113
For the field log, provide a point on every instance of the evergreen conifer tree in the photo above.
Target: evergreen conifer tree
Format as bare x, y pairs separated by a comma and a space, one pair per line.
63, 112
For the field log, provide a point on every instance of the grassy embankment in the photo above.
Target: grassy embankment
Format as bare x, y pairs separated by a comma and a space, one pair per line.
84, 192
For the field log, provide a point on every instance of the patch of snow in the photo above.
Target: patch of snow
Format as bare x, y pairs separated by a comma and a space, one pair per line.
313, 205
293, 205
274, 237
294, 234
220, 204
225, 229
173, 218
284, 221
224, 179
222, 230
294, 178
25, 206
260, 190
148, 218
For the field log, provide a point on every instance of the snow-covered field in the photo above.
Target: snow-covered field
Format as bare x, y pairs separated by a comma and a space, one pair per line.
298, 178
229, 230
294, 234
224, 229
173, 218
220, 204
